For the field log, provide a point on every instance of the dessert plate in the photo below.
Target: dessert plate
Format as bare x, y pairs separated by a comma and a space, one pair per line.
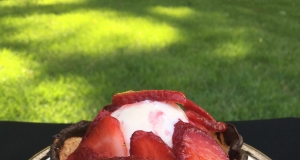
253, 154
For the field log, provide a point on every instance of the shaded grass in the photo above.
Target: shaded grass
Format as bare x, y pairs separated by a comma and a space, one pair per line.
61, 61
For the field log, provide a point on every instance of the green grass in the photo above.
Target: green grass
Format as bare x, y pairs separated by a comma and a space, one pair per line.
61, 61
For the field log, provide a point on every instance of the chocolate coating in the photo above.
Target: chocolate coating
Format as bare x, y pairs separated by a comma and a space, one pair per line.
234, 141
230, 139
76, 130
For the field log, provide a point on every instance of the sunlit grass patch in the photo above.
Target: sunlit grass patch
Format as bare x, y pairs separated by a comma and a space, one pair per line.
12, 3
177, 12
89, 32
238, 49
129, 32
13, 68
53, 2
62, 99
67, 93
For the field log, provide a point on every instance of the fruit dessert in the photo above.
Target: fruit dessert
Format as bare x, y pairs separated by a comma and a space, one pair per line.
149, 124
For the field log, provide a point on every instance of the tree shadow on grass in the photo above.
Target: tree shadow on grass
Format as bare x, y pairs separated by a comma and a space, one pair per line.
195, 64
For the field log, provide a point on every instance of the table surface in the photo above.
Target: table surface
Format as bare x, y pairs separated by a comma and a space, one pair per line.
277, 138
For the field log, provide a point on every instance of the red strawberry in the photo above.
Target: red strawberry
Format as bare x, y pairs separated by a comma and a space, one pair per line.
208, 124
111, 107
190, 105
198, 125
100, 115
155, 95
147, 144
82, 152
125, 158
191, 143
105, 140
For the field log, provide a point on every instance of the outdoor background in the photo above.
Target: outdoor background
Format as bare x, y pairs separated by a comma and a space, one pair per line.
61, 61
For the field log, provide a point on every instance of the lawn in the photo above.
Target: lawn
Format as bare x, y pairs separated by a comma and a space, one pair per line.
61, 61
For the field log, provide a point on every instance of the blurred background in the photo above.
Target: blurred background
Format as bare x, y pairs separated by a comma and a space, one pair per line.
62, 60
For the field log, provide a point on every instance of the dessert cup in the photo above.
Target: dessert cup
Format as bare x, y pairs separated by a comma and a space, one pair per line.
230, 141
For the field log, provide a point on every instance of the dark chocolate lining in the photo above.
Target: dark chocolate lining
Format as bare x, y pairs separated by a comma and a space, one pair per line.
233, 139
76, 130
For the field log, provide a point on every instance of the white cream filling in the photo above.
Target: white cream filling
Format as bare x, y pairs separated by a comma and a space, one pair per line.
157, 117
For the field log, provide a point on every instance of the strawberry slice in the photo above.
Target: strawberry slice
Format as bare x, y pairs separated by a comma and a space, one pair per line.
111, 107
147, 144
105, 140
198, 125
83, 152
190, 105
100, 115
191, 143
125, 158
208, 124
155, 95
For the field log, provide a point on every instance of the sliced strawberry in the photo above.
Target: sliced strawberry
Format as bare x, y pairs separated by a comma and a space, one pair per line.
100, 115
155, 95
208, 124
198, 125
190, 105
83, 152
125, 158
111, 107
147, 144
105, 140
191, 143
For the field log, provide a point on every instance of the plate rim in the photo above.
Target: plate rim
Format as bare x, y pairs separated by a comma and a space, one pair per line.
41, 154
251, 151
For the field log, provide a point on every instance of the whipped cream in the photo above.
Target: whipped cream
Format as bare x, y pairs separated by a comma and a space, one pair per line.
154, 116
